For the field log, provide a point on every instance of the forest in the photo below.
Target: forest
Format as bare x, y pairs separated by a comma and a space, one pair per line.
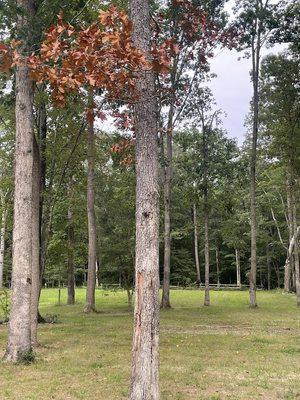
146, 251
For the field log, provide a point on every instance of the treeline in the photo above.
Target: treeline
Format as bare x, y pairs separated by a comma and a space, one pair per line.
228, 202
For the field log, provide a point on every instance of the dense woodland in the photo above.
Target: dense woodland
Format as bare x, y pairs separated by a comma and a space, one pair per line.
115, 168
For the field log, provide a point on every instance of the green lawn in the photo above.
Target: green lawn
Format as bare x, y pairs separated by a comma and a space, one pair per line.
226, 351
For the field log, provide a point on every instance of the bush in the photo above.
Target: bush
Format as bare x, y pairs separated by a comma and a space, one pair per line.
51, 319
4, 305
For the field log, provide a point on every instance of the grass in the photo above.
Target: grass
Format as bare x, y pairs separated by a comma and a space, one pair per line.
226, 351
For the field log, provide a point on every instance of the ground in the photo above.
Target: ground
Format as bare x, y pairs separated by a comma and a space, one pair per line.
226, 351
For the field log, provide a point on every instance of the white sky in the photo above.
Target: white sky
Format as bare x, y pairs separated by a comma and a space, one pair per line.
232, 90
232, 87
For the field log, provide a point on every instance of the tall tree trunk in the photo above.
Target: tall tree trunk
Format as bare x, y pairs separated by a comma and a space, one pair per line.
19, 338
290, 254
196, 246
296, 247
42, 131
97, 274
92, 228
43, 211
2, 242
206, 255
268, 267
289, 265
277, 270
293, 175
70, 266
293, 284
35, 290
238, 268
206, 213
256, 47
218, 266
165, 303
145, 363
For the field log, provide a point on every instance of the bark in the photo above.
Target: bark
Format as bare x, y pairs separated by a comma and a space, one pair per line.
35, 273
19, 338
2, 242
289, 267
43, 238
206, 216
218, 266
206, 255
70, 266
268, 268
291, 246
42, 130
293, 286
97, 274
296, 248
129, 297
145, 363
256, 47
92, 227
196, 246
238, 268
277, 275
165, 303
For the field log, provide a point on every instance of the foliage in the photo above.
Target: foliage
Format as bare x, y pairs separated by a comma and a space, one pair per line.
4, 304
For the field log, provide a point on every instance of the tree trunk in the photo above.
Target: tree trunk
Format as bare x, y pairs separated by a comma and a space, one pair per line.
268, 268
92, 227
206, 214
145, 363
218, 266
43, 215
296, 247
290, 253
97, 274
129, 297
70, 271
277, 270
293, 285
165, 303
19, 338
255, 79
196, 246
2, 242
206, 255
35, 290
238, 268
289, 265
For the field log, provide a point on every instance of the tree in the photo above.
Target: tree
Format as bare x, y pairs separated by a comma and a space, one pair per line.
20, 329
116, 213
195, 221
7, 136
192, 30
92, 228
4, 211
257, 19
207, 155
145, 373
280, 118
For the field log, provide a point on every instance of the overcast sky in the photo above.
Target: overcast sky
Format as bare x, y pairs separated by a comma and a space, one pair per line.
232, 90
232, 87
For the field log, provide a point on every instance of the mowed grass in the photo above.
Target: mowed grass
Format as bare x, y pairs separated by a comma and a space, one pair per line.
226, 351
